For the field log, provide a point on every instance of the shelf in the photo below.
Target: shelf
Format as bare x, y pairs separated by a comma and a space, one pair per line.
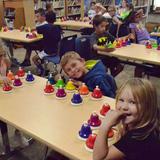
78, 5
59, 16
140, 6
74, 14
58, 7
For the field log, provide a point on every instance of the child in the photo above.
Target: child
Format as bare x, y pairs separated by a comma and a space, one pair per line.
137, 28
111, 15
92, 12
4, 64
51, 39
91, 72
100, 24
138, 111
123, 8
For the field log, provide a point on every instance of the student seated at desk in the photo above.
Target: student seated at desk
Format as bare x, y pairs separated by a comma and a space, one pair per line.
92, 12
111, 16
138, 29
100, 24
51, 38
138, 114
91, 72
48, 46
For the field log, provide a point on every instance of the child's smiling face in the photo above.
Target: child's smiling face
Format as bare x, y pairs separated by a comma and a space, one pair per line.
127, 103
75, 68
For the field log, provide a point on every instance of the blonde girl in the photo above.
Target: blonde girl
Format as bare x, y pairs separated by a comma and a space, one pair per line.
4, 64
138, 111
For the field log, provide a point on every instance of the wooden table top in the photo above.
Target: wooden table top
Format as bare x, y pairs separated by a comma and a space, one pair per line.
157, 34
136, 52
53, 122
16, 35
72, 23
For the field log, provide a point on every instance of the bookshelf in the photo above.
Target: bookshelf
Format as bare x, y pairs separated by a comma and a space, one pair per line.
59, 7
105, 3
75, 8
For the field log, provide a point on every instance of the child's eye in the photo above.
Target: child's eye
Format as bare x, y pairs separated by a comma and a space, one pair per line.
121, 100
74, 64
68, 70
132, 102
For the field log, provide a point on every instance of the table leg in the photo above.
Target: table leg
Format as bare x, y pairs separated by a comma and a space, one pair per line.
5, 139
11, 54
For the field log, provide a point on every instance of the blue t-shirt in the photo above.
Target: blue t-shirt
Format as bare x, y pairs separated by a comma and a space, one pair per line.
51, 37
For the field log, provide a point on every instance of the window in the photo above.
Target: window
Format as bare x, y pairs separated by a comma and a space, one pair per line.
156, 3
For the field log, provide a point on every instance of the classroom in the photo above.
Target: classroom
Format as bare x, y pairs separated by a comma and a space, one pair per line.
79, 79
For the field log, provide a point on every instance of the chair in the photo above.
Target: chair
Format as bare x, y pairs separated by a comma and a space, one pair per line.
67, 44
83, 47
55, 60
87, 31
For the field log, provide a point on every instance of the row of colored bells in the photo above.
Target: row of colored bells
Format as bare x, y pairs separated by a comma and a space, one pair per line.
92, 138
150, 46
76, 99
122, 43
70, 87
4, 29
20, 73
31, 35
94, 121
86, 134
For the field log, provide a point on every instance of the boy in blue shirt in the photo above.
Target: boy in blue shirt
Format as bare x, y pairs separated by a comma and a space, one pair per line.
51, 38
91, 72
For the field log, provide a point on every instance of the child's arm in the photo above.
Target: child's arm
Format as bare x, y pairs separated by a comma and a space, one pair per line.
118, 22
129, 36
4, 64
134, 34
101, 149
77, 83
103, 9
4, 80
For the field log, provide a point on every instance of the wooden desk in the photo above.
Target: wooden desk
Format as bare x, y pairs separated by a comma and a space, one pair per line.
136, 52
76, 24
157, 34
17, 36
53, 122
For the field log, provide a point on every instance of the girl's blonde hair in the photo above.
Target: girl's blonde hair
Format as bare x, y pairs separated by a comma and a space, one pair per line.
145, 96
2, 50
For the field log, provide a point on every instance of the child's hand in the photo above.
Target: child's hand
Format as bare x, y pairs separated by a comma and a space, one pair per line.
131, 36
5, 80
77, 83
112, 118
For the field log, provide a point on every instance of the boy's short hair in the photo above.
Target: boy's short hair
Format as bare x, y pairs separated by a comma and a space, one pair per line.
48, 6
41, 11
98, 19
69, 56
50, 17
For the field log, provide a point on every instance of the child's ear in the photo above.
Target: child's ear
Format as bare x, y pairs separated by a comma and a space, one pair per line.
82, 60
